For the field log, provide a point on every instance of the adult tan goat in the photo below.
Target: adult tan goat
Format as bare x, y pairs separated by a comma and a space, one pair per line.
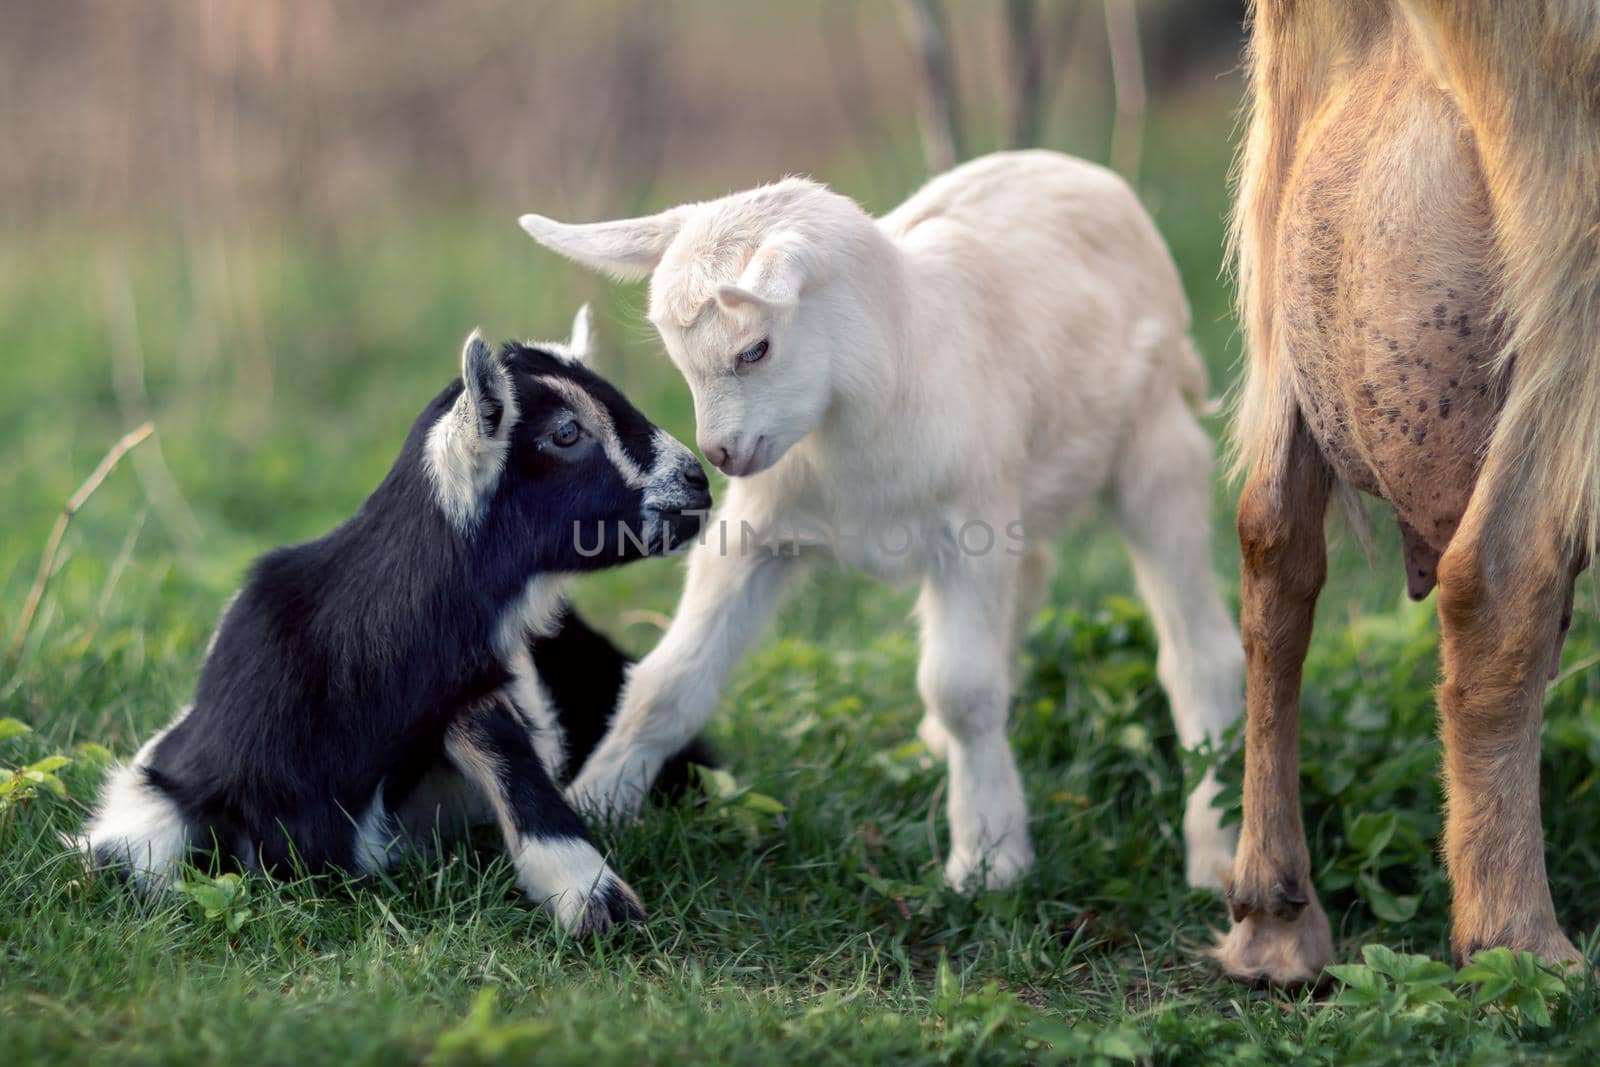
1418, 241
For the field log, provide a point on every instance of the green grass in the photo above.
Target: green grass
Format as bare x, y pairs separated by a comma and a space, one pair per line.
283, 367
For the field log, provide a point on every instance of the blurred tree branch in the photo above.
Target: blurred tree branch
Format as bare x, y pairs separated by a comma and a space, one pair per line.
1026, 47
1127, 78
938, 102
863, 114
630, 137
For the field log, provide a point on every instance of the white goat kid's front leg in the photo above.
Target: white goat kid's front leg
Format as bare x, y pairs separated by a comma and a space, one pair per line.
728, 596
1033, 590
967, 609
1162, 496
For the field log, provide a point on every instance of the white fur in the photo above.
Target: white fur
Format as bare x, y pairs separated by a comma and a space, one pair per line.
377, 836
462, 461
137, 824
580, 343
533, 614
527, 691
1004, 347
579, 346
566, 875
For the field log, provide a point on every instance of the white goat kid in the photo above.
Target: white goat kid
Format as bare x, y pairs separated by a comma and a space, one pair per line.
929, 395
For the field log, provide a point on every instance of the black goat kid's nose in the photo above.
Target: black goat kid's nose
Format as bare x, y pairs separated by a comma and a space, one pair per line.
696, 477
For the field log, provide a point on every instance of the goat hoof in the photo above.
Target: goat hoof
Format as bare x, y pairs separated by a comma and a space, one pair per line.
1548, 943
975, 872
1263, 948
607, 798
612, 904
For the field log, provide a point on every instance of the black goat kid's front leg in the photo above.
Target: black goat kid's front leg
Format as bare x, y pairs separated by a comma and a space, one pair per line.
556, 863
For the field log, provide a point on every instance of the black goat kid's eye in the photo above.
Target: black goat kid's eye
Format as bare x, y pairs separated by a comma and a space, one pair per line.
754, 354
566, 435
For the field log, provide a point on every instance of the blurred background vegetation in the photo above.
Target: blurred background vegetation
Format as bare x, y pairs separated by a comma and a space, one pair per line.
267, 226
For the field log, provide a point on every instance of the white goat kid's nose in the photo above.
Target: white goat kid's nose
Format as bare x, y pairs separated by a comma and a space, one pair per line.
721, 451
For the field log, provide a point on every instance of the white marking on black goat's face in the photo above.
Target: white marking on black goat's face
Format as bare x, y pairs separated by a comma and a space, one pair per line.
466, 448
544, 460
628, 488
561, 451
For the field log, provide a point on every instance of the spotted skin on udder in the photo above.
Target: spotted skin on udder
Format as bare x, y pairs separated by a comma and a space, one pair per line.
1387, 306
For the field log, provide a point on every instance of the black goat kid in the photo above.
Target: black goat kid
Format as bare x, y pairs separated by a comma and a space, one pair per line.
418, 669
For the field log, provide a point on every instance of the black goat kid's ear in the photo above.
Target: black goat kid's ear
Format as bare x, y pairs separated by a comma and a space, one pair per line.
466, 448
488, 385
580, 345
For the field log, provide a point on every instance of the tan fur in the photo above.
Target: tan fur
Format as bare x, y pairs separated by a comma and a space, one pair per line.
1417, 240
1280, 933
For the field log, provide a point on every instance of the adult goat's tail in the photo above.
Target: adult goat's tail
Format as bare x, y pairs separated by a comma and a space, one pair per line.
1294, 56
1526, 76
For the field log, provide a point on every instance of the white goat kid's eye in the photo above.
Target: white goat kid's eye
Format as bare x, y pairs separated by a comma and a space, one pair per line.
755, 353
566, 435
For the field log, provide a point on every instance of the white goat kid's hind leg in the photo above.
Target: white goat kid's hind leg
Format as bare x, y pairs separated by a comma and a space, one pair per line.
1033, 589
934, 737
1033, 585
670, 694
1163, 505
557, 865
967, 609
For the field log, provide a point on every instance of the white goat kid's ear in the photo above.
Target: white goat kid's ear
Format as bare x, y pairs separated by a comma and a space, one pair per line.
773, 278
626, 249
580, 346
486, 400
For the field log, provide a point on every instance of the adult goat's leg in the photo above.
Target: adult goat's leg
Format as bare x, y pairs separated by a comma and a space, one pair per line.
1279, 933
1503, 585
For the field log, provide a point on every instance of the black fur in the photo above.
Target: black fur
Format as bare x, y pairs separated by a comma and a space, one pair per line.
583, 672
533, 800
343, 661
